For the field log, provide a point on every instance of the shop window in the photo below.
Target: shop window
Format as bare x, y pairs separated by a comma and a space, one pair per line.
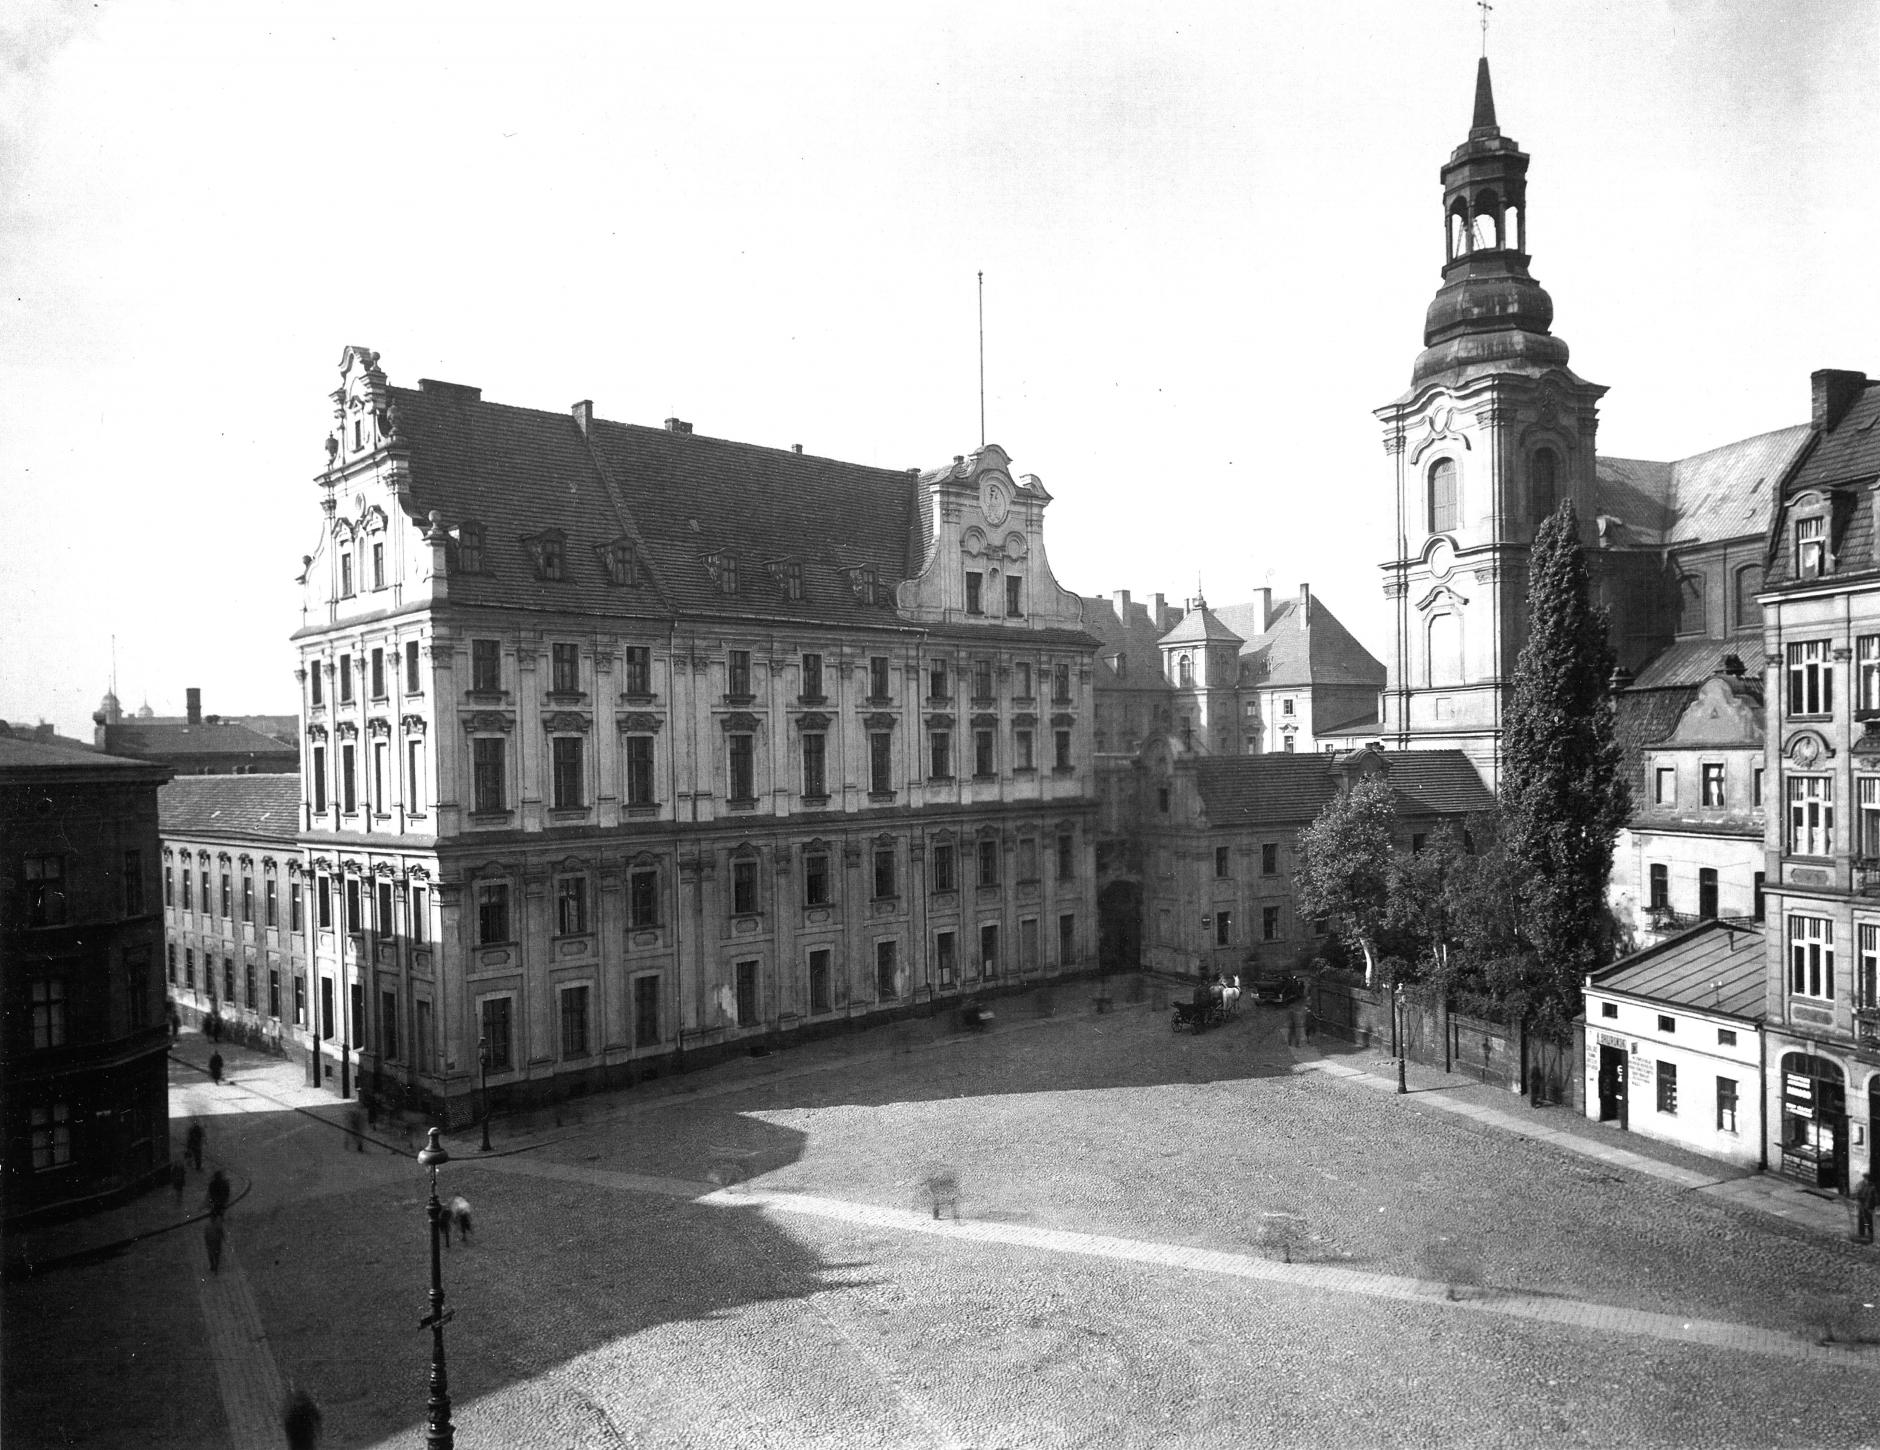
1668, 1088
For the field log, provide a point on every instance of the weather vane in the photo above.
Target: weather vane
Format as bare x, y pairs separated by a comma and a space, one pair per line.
1484, 7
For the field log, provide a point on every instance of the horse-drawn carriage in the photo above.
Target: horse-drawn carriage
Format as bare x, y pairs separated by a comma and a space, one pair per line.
1198, 1016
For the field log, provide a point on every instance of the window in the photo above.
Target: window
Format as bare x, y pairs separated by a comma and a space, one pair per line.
1269, 858
1811, 678
1067, 939
1665, 785
1061, 684
982, 680
1185, 672
1290, 745
744, 888
1063, 755
1223, 927
1021, 750
1706, 893
1608, 1009
208, 902
940, 755
1713, 785
1667, 1024
741, 768
270, 906
945, 956
637, 678
228, 896
1811, 815
820, 998
274, 992
418, 913
381, 776
815, 758
1028, 859
1269, 923
48, 1003
1542, 484
1660, 898
574, 1021
1726, 1037
564, 667
1014, 596
727, 565
646, 1011
1867, 665
982, 753
133, 883
300, 1003
1811, 547
496, 1039
345, 679
171, 964
1691, 604
937, 688
1811, 957
248, 898
989, 950
315, 684
1726, 1105
326, 904
1756, 786
812, 677
355, 906
878, 677
248, 984
378, 674
1868, 985
414, 777
738, 674
943, 867
619, 561
571, 916
1668, 1088
345, 574
1748, 584
548, 556
789, 576
486, 665
887, 970
973, 581
348, 778
1442, 496
1028, 944
1024, 681
189, 968
52, 1137
492, 913
884, 871
296, 921
643, 897
318, 774
488, 770
1161, 799
414, 681
880, 762
988, 862
640, 770
169, 885
816, 879
1066, 857
566, 751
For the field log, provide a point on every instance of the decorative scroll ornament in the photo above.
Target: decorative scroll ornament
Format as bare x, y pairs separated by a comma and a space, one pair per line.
639, 723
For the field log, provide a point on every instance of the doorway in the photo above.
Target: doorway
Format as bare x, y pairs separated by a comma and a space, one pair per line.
1814, 1121
1119, 927
1612, 1086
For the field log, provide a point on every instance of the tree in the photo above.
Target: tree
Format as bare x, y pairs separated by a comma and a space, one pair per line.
1563, 794
1346, 867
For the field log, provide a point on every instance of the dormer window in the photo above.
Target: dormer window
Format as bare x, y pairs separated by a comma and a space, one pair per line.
1185, 672
866, 584
470, 549
620, 561
1811, 547
723, 567
789, 576
548, 550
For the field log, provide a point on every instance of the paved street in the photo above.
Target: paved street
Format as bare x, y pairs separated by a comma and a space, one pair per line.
1143, 1239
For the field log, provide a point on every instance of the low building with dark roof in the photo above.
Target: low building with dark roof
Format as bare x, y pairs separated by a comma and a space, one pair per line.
194, 743
1674, 1045
86, 1108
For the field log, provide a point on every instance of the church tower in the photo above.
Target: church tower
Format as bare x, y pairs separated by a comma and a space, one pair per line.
1494, 433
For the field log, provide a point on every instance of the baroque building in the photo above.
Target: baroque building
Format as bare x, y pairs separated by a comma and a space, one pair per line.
625, 742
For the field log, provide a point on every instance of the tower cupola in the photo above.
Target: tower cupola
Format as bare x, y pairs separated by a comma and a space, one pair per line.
1489, 310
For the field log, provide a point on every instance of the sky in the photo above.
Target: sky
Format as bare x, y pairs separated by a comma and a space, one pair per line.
1208, 232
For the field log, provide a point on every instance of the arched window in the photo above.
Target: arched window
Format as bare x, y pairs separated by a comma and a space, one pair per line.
1485, 223
1458, 231
1511, 229
1748, 585
1442, 495
1445, 650
1543, 485
1185, 671
1691, 604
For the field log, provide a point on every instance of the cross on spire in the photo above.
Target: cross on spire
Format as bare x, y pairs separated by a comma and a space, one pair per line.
1484, 7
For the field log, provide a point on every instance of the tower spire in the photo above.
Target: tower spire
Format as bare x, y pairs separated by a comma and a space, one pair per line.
1484, 121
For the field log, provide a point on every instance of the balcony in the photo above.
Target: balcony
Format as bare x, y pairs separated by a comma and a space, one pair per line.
1867, 875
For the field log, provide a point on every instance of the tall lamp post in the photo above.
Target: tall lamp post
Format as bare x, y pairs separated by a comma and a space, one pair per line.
439, 1434
1403, 1035
483, 1066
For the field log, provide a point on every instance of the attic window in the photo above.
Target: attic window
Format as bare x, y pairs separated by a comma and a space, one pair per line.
723, 567
621, 562
470, 549
789, 576
866, 584
548, 550
1811, 547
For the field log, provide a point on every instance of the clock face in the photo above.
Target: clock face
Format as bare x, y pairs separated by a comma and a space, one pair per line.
995, 498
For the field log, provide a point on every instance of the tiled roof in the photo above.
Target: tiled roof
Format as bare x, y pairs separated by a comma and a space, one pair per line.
1644, 717
1292, 789
41, 732
258, 807
1851, 450
165, 741
1724, 493
1716, 967
1283, 655
31, 755
1692, 661
520, 472
1134, 637
1201, 625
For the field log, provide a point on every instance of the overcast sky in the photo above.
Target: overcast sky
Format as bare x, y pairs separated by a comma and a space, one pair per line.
1209, 233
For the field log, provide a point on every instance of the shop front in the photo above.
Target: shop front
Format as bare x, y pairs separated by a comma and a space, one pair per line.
1814, 1121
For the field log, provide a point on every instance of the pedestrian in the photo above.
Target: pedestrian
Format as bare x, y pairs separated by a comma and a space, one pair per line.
356, 1129
459, 1210
215, 1067
176, 1023
179, 1175
218, 1194
215, 1025
1866, 1192
300, 1418
369, 1100
212, 1232
192, 1145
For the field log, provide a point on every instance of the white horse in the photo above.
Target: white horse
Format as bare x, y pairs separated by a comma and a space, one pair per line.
1230, 998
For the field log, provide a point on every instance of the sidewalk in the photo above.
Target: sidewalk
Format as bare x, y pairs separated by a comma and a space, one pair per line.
1572, 1132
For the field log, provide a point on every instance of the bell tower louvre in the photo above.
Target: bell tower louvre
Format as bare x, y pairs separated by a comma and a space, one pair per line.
1493, 434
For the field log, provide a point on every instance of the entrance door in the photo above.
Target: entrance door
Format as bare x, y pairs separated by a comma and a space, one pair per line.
1119, 927
1612, 1095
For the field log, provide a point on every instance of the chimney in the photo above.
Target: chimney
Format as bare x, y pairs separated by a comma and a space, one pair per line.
796, 447
1161, 614
584, 416
193, 705
678, 425
1263, 609
1305, 606
1832, 392
1121, 600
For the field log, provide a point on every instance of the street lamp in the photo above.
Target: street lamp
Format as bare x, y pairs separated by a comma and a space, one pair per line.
483, 1065
1403, 1035
438, 1431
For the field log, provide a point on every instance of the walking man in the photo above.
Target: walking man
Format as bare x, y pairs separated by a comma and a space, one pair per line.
212, 1232
179, 1175
192, 1145
218, 1194
215, 1067
1865, 1194
356, 1129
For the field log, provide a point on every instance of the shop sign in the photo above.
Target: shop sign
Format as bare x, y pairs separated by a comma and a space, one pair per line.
1606, 1039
